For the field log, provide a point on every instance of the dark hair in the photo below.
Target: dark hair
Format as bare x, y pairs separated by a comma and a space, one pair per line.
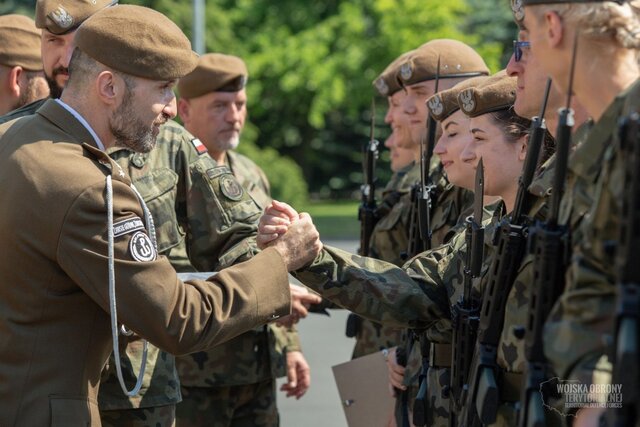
515, 127
82, 67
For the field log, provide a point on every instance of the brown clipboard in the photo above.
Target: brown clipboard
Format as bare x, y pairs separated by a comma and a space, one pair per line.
364, 391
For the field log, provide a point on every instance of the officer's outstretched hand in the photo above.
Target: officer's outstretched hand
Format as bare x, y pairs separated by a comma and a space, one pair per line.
300, 243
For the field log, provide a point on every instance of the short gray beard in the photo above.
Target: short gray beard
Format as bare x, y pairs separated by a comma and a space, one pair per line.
229, 144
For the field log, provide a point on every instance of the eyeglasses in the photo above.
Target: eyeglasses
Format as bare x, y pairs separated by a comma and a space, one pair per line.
517, 49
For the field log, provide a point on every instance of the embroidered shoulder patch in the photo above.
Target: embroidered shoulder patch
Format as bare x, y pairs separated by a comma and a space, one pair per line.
231, 188
199, 146
127, 226
141, 247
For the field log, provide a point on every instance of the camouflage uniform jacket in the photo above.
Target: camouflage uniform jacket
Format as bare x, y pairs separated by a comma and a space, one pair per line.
256, 355
388, 241
184, 192
579, 328
25, 110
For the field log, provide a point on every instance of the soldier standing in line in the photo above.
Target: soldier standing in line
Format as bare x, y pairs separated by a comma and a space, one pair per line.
21, 77
233, 384
606, 82
417, 73
84, 249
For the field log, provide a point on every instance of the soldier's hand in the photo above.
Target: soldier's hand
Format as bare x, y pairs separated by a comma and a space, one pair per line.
395, 371
275, 221
298, 375
301, 300
588, 417
300, 244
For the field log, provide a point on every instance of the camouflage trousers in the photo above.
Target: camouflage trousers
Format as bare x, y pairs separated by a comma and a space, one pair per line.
157, 416
251, 405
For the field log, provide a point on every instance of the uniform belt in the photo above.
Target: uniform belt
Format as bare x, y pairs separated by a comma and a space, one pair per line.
511, 384
440, 355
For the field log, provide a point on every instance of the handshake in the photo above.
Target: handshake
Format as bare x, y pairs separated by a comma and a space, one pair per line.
292, 234
295, 237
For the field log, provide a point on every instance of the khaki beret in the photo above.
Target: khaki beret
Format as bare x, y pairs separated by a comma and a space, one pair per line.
445, 103
497, 92
20, 44
215, 72
456, 60
63, 16
387, 82
138, 41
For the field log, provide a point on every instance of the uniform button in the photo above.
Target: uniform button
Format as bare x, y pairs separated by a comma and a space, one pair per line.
138, 160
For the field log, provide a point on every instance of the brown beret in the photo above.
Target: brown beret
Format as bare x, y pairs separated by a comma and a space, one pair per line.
387, 82
138, 41
445, 103
497, 92
20, 42
456, 60
63, 16
215, 72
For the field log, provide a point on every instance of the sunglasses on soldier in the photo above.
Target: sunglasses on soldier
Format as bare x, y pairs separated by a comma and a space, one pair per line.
517, 49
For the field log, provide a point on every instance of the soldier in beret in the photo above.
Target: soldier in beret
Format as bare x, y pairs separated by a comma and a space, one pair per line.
233, 384
21, 77
86, 251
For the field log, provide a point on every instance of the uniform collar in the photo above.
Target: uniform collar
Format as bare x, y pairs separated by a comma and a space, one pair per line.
81, 119
56, 113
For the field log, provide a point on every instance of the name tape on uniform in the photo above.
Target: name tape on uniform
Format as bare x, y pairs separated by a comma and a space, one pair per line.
126, 226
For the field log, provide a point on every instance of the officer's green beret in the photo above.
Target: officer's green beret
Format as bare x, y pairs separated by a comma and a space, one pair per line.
445, 103
62, 16
497, 92
138, 41
215, 73
20, 42
456, 60
387, 82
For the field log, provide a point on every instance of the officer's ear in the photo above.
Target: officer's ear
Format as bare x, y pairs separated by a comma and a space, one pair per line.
524, 144
110, 88
13, 81
184, 110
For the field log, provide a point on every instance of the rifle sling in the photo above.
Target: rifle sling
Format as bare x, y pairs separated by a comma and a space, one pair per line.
440, 355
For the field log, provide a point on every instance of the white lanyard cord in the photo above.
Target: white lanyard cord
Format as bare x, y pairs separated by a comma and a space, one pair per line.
112, 293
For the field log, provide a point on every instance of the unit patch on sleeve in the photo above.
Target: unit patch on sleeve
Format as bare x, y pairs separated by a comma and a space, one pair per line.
199, 146
231, 188
127, 226
141, 247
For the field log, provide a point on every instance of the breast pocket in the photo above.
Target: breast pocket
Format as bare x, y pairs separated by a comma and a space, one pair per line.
159, 189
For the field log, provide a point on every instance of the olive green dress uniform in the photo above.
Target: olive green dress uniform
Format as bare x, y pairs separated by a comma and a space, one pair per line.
56, 337
181, 187
580, 326
234, 384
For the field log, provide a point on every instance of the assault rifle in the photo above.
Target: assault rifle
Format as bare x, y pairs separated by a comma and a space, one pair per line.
367, 210
465, 313
422, 195
510, 241
627, 325
548, 242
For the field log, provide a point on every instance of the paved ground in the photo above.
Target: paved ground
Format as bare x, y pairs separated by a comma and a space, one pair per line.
324, 345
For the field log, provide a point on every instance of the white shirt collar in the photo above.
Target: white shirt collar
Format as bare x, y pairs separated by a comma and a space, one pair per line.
84, 123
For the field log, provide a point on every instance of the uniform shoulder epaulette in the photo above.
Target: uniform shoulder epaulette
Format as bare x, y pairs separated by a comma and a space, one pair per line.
107, 162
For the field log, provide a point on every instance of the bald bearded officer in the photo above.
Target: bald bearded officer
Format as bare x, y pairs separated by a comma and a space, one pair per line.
21, 77
78, 244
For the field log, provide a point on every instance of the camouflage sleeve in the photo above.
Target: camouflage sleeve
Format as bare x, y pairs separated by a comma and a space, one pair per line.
580, 324
412, 296
221, 216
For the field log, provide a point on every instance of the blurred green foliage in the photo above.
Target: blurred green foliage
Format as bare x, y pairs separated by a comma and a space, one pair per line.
311, 65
